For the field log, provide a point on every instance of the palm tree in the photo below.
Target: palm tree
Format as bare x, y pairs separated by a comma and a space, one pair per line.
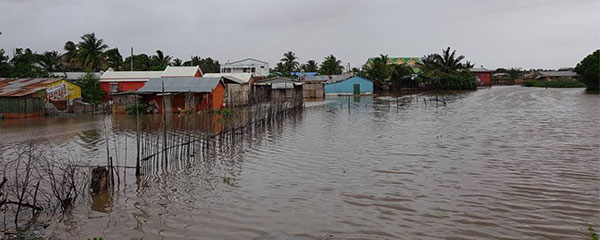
70, 55
447, 62
114, 59
160, 61
289, 62
176, 62
378, 69
331, 66
310, 66
91, 52
50, 61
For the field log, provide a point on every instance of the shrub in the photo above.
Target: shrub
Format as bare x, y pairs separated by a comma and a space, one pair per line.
134, 108
560, 83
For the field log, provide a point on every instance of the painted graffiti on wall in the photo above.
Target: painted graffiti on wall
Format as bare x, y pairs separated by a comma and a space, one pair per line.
57, 92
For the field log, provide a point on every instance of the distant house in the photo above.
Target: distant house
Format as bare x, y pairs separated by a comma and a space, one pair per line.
183, 93
314, 86
353, 85
279, 89
412, 62
112, 82
304, 74
239, 87
483, 76
257, 68
554, 75
27, 97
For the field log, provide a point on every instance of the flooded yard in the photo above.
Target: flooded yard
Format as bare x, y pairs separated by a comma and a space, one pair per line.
497, 163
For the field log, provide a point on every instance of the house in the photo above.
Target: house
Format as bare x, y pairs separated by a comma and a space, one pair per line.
350, 85
412, 62
279, 89
257, 68
554, 75
28, 97
112, 82
184, 94
483, 76
240, 87
314, 86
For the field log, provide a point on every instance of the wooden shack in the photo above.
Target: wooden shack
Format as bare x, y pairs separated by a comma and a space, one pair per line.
183, 94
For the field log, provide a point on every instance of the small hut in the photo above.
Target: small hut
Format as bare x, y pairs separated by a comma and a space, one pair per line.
183, 94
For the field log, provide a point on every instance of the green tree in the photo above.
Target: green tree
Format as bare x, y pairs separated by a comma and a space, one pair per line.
589, 70
331, 66
378, 69
447, 71
399, 72
90, 87
310, 66
24, 64
70, 56
160, 61
141, 62
176, 62
91, 52
208, 65
114, 59
289, 63
5, 67
51, 61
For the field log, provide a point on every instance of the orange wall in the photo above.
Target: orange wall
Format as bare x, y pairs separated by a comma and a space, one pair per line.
485, 77
218, 95
123, 87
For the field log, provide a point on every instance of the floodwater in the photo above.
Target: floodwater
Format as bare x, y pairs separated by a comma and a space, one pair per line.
498, 163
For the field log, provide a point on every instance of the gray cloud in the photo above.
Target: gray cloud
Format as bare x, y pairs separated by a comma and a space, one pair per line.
532, 33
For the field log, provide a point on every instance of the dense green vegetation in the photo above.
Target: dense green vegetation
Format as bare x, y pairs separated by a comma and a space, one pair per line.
589, 70
90, 54
289, 63
90, 88
559, 83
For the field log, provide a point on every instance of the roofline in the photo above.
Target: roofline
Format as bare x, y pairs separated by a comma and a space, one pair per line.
247, 59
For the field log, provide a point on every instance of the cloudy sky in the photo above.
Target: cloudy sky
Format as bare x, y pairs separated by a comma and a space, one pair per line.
519, 33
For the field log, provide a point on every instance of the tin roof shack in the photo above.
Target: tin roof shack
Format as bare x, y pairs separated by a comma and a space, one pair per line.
483, 76
22, 98
239, 87
314, 86
184, 94
352, 85
112, 82
280, 89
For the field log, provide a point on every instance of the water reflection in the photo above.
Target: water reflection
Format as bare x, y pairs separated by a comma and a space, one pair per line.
506, 162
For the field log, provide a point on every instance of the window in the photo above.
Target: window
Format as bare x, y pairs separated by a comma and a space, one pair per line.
114, 87
262, 66
253, 70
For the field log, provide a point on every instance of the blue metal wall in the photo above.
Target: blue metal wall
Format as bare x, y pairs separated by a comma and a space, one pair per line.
347, 86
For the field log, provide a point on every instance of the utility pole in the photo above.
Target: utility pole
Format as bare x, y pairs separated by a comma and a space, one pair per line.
131, 69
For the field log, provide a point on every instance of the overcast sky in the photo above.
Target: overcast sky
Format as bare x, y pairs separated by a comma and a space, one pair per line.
519, 33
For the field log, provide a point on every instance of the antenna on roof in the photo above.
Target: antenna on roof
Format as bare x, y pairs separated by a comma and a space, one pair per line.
131, 69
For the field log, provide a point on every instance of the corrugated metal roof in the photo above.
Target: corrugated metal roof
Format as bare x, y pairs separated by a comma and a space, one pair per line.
74, 75
179, 71
558, 74
18, 87
279, 83
240, 78
124, 76
327, 78
180, 85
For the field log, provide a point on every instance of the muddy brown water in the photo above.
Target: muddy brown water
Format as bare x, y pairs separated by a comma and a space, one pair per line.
498, 163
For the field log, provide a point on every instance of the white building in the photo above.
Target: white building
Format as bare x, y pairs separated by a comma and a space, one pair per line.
258, 68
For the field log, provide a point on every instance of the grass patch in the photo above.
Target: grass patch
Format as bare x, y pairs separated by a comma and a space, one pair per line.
553, 84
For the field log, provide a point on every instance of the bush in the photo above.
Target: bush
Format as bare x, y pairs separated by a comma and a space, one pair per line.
589, 71
454, 81
560, 83
134, 108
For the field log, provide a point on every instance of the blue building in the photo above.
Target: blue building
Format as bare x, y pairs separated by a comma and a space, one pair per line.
352, 85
